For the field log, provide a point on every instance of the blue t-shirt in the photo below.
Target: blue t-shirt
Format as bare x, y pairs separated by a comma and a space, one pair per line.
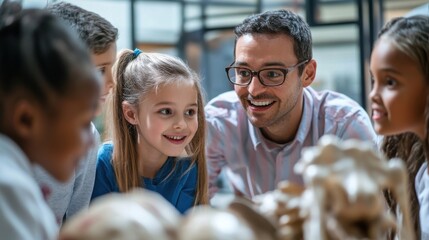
179, 188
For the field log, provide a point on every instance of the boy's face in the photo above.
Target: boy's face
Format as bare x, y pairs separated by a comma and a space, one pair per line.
399, 91
104, 63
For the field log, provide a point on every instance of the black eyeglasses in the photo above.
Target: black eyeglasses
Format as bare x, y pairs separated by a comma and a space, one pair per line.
242, 76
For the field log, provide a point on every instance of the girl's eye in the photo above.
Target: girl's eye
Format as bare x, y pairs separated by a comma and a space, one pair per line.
191, 112
391, 82
165, 111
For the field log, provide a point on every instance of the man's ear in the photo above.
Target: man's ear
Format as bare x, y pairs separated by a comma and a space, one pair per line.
309, 73
130, 113
26, 119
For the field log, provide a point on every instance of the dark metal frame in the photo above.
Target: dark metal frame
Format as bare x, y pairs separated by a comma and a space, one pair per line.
370, 20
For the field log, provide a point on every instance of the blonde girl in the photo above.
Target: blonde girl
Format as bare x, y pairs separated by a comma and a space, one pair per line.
158, 129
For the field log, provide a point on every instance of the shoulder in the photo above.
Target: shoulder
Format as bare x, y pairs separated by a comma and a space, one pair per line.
16, 173
19, 191
225, 115
104, 158
14, 183
337, 114
330, 98
334, 104
224, 105
25, 214
105, 151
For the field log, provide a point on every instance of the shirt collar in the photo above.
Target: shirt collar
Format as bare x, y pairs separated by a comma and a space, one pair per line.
307, 116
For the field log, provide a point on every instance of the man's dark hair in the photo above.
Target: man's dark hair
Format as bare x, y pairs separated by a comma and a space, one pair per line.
279, 22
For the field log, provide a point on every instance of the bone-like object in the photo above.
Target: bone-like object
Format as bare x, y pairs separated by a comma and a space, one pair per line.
137, 215
343, 196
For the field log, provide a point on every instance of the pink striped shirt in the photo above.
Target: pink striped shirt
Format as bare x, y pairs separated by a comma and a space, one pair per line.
254, 165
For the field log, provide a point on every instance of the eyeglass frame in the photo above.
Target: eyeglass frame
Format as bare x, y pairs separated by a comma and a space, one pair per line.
285, 71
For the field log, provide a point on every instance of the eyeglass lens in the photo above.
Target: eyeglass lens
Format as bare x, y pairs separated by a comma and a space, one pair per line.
267, 76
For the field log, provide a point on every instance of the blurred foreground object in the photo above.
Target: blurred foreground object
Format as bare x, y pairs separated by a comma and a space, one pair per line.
237, 222
140, 214
282, 207
343, 197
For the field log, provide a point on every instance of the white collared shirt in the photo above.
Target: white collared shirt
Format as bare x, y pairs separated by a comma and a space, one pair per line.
254, 165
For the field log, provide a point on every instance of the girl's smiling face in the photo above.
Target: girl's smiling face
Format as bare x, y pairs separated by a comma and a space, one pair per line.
166, 120
399, 91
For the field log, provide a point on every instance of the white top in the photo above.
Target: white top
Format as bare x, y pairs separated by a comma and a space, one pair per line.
24, 213
422, 190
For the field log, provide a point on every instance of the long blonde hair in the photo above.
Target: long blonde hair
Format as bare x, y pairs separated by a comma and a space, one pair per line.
136, 76
411, 36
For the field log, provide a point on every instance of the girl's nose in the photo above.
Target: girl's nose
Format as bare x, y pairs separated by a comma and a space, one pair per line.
373, 94
180, 123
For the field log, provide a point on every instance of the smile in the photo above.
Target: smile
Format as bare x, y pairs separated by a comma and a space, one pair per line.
175, 139
260, 103
377, 115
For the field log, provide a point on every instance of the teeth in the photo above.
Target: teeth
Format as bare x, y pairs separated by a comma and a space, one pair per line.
264, 103
176, 137
376, 113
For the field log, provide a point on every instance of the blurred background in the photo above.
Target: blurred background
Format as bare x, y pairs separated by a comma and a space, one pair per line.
201, 32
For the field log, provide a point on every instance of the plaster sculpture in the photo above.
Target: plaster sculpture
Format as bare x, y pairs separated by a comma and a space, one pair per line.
236, 222
343, 197
137, 215
282, 208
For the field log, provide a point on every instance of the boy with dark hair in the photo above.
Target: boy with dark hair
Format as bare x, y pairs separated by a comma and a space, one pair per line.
65, 199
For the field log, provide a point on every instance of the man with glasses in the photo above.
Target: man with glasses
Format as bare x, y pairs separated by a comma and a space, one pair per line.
257, 133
